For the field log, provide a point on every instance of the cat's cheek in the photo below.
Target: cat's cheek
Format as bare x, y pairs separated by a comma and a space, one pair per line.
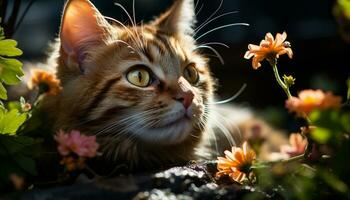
195, 111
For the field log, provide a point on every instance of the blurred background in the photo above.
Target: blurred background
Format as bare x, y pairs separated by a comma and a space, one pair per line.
321, 57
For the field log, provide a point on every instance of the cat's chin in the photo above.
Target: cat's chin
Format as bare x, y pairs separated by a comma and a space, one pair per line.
171, 134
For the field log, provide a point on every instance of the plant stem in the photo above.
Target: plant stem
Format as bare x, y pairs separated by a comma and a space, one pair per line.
289, 160
279, 80
11, 22
348, 96
295, 158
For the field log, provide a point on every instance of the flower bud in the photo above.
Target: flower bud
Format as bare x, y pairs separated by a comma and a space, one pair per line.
289, 80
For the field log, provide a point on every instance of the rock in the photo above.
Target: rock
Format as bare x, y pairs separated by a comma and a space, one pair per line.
190, 182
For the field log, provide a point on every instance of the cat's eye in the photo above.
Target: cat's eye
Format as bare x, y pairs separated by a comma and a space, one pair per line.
191, 74
139, 77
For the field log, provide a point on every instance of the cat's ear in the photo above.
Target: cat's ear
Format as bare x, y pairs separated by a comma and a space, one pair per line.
179, 19
82, 28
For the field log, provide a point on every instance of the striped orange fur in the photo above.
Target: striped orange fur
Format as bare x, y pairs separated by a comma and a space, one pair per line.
137, 127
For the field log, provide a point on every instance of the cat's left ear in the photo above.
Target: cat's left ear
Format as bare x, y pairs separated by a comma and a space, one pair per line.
82, 29
179, 19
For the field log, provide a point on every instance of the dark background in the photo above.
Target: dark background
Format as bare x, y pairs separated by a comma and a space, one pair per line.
320, 61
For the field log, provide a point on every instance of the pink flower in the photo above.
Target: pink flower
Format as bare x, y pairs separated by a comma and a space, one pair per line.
309, 100
297, 145
74, 142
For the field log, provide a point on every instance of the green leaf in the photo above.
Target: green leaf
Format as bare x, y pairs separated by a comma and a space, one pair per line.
348, 83
8, 48
334, 181
21, 150
16, 144
26, 163
345, 120
11, 121
321, 135
260, 165
10, 70
3, 92
14, 105
2, 33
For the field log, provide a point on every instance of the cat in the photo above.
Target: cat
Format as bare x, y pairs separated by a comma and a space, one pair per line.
146, 91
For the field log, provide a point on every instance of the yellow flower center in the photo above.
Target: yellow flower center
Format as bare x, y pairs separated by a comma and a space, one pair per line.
311, 100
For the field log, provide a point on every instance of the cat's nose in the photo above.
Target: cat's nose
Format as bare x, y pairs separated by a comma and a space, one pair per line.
185, 98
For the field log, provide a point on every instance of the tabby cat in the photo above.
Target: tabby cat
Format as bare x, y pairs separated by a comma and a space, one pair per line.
145, 91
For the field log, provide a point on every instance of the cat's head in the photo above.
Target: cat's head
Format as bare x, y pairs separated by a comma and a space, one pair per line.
147, 82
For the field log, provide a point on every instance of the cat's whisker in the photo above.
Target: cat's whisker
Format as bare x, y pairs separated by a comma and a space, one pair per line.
213, 50
124, 131
133, 24
215, 18
213, 14
194, 136
216, 43
221, 27
116, 137
230, 123
196, 5
142, 118
134, 11
210, 137
134, 17
126, 12
114, 126
244, 86
213, 117
130, 33
122, 122
127, 44
200, 9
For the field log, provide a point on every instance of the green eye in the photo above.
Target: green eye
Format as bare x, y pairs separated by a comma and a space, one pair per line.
139, 77
191, 74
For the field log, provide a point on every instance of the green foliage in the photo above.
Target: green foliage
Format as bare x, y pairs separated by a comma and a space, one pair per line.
17, 152
10, 68
343, 6
10, 121
17, 155
348, 96
330, 125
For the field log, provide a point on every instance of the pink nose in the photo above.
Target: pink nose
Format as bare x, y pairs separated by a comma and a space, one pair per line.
185, 98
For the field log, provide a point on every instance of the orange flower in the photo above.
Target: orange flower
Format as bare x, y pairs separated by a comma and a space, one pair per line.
237, 163
309, 100
269, 49
17, 181
297, 145
72, 163
45, 81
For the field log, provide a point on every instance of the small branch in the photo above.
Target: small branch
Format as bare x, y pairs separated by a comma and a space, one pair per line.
3, 6
20, 20
294, 159
348, 95
280, 82
10, 24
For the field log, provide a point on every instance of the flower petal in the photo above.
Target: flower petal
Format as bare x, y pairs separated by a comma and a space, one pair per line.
248, 55
253, 47
269, 38
289, 52
280, 38
256, 61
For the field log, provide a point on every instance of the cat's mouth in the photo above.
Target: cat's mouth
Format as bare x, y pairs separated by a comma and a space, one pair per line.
169, 131
182, 118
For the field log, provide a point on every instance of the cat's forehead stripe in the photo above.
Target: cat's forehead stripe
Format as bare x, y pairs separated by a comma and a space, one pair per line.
146, 51
106, 86
163, 40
